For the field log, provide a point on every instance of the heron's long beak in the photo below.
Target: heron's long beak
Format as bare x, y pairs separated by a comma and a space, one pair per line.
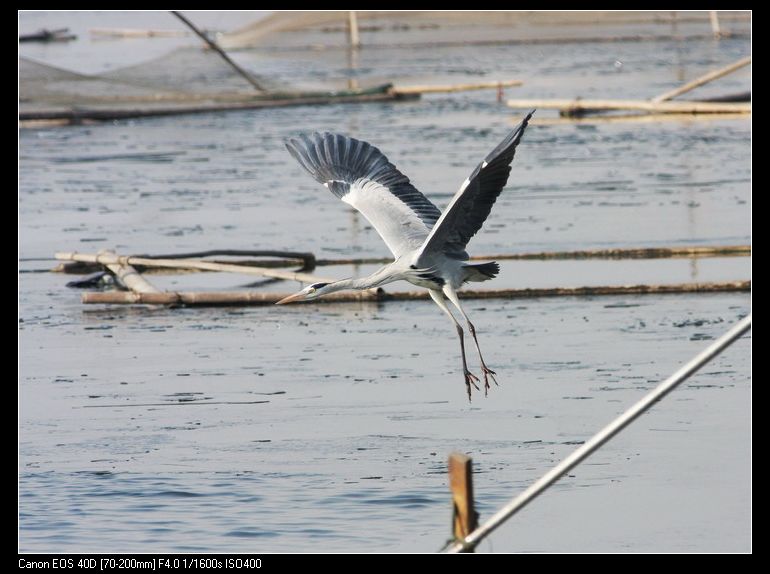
291, 298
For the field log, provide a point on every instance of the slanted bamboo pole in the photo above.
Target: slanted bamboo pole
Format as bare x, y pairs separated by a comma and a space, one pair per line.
704, 79
213, 45
259, 298
129, 276
106, 259
446, 88
567, 106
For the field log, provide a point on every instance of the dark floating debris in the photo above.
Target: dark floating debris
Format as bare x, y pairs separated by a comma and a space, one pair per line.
44, 35
98, 279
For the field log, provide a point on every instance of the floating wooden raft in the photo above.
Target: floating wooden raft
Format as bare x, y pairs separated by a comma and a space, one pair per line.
660, 104
143, 292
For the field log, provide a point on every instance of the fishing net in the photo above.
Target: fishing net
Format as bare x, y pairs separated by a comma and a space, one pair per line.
184, 75
293, 53
317, 30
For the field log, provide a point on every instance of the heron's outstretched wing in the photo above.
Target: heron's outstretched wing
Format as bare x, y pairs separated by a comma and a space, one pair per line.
471, 205
360, 175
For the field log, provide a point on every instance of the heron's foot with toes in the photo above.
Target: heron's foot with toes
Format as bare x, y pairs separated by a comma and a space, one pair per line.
488, 373
471, 379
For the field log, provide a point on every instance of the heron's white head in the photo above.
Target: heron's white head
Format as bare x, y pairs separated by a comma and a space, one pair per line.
310, 292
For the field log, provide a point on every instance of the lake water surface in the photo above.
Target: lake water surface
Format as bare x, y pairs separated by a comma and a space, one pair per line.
327, 427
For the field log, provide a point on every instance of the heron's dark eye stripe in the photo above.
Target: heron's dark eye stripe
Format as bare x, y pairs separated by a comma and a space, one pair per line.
319, 285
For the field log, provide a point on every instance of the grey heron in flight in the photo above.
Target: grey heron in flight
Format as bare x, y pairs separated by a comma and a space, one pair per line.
428, 245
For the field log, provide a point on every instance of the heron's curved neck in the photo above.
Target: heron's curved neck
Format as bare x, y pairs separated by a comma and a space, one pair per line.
379, 277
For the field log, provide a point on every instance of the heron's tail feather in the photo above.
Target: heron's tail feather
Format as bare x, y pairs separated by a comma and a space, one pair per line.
481, 271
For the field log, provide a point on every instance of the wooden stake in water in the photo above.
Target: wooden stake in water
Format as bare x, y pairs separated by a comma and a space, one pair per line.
355, 40
714, 17
464, 516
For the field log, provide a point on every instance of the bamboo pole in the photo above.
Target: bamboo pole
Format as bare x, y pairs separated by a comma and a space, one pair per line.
715, 29
129, 276
80, 267
106, 259
621, 253
464, 516
582, 106
136, 33
213, 45
378, 295
704, 79
214, 298
633, 253
355, 40
633, 118
448, 88
581, 291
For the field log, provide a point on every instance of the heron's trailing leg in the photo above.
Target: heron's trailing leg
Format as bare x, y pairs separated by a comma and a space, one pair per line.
486, 370
470, 378
452, 295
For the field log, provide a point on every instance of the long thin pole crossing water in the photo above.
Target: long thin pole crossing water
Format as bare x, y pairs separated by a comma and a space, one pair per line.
601, 437
214, 46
